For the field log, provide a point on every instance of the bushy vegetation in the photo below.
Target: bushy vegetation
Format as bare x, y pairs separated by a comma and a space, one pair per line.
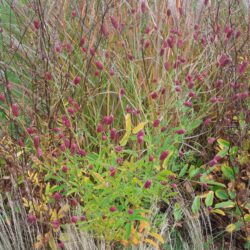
124, 124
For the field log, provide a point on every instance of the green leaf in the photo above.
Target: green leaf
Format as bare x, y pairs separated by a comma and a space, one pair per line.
225, 204
228, 172
196, 204
177, 212
163, 174
215, 183
221, 194
209, 199
183, 171
128, 230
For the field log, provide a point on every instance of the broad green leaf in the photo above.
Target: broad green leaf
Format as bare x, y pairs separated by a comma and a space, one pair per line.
221, 194
209, 199
225, 204
196, 204
228, 172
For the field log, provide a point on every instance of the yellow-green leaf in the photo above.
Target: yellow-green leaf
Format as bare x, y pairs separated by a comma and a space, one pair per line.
158, 237
230, 228
139, 127
219, 211
209, 199
128, 123
151, 242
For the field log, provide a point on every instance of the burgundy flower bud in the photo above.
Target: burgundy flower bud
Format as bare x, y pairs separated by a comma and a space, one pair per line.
118, 148
15, 109
148, 184
163, 129
74, 219
91, 167
68, 47
114, 22
58, 48
60, 245
112, 171
57, 196
73, 202
39, 152
64, 169
92, 51
130, 211
71, 110
31, 218
156, 123
151, 158
73, 13
37, 24
167, 66
2, 98
188, 104
122, 92
77, 80
211, 140
174, 186
21, 143
113, 134
36, 141
191, 94
111, 72
164, 155
104, 137
207, 121
147, 30
143, 7
63, 147
99, 65
180, 131
55, 224
163, 183
140, 139
83, 218
242, 67
108, 120
181, 154
82, 41
162, 51
119, 161
224, 60
48, 76
154, 95
130, 57
100, 128
212, 163
82, 152
112, 209
178, 89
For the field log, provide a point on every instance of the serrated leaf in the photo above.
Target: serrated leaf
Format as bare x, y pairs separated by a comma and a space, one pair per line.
183, 171
139, 127
196, 204
226, 204
209, 199
228, 172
